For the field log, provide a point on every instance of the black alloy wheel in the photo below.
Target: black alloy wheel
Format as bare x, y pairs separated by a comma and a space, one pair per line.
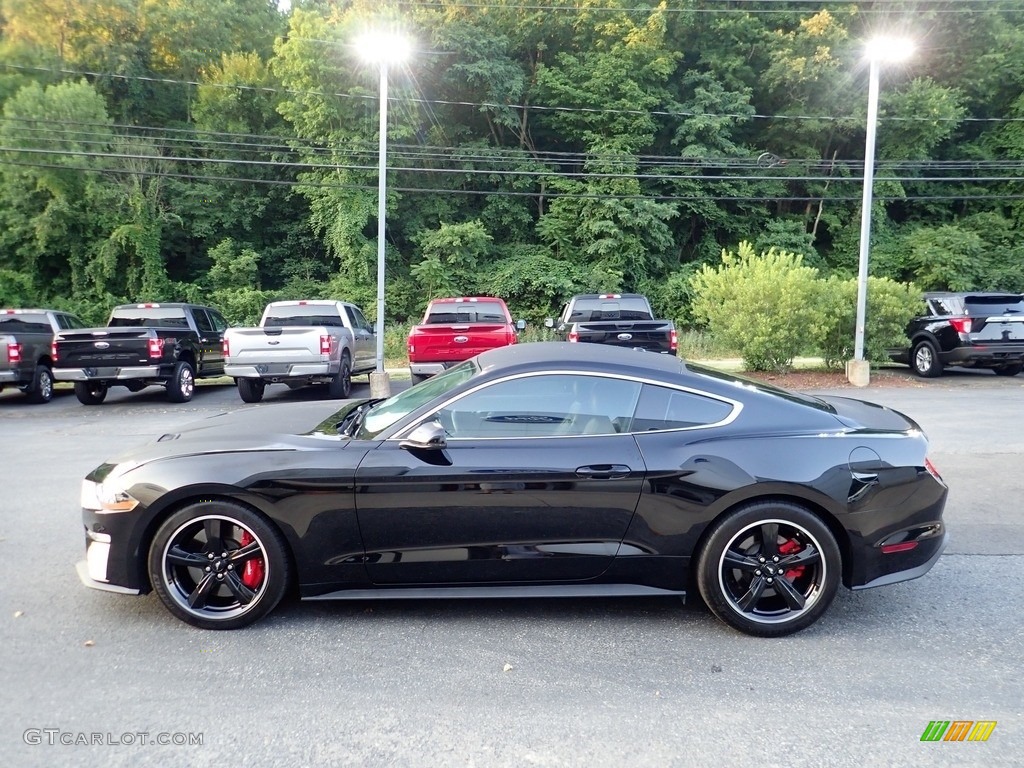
341, 385
41, 388
251, 390
924, 360
182, 384
218, 565
769, 569
1009, 370
90, 392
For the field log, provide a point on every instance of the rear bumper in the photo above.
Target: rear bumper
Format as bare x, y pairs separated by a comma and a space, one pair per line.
428, 369
988, 356
916, 563
97, 374
281, 370
10, 377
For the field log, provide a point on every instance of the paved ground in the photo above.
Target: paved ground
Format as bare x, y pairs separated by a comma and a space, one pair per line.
526, 682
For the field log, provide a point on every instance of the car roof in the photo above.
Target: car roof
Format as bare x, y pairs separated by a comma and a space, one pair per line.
461, 299
552, 354
965, 294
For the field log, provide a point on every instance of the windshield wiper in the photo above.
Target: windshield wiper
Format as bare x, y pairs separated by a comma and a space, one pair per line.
354, 420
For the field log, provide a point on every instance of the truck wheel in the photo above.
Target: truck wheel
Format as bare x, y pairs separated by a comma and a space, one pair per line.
924, 360
341, 385
90, 392
182, 383
417, 378
1009, 370
251, 390
41, 388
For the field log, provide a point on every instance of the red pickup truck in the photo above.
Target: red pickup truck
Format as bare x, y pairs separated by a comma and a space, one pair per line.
457, 329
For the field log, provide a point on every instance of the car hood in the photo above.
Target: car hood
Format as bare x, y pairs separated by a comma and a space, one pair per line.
284, 427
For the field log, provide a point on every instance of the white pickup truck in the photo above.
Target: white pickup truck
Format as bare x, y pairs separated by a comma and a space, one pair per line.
300, 343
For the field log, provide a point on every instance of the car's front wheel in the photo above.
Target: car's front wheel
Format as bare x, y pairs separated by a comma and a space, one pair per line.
924, 360
218, 565
769, 568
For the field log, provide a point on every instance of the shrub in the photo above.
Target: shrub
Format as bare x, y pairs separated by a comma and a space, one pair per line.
766, 306
890, 306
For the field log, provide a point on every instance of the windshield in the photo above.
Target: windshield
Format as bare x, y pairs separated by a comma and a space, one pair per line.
382, 416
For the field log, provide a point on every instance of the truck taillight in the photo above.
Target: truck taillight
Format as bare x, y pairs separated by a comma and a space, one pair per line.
53, 350
156, 348
961, 324
325, 344
226, 348
574, 336
673, 341
13, 352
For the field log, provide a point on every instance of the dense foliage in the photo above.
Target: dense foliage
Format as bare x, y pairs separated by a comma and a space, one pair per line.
227, 149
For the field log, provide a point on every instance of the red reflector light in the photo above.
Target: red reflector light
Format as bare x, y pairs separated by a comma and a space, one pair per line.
574, 336
903, 546
961, 324
156, 348
13, 352
325, 344
673, 341
932, 470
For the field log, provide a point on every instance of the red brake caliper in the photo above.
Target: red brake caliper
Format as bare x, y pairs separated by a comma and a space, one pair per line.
252, 573
790, 547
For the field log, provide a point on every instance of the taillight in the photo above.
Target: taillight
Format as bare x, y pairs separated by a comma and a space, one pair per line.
673, 341
13, 352
574, 336
156, 348
325, 344
932, 470
961, 324
227, 348
53, 351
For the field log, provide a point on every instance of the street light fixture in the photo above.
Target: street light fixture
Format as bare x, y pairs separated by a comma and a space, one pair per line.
382, 48
878, 50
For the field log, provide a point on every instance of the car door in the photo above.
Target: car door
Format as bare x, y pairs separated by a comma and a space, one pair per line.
535, 484
365, 352
211, 339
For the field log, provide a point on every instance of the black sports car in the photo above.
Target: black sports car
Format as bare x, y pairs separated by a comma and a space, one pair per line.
548, 469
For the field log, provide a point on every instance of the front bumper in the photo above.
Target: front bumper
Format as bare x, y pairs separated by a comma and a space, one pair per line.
82, 567
103, 374
93, 571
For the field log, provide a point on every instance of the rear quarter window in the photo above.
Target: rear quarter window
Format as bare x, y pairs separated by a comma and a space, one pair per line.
980, 306
664, 408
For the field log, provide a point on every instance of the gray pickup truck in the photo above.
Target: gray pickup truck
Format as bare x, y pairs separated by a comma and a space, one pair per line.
618, 319
299, 343
26, 349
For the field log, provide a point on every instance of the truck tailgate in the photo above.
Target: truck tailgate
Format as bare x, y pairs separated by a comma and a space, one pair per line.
103, 348
454, 343
250, 346
650, 335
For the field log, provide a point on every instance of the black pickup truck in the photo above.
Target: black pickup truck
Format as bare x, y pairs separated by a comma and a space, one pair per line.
169, 345
26, 349
619, 319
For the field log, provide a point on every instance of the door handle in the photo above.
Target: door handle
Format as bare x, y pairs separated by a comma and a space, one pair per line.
603, 471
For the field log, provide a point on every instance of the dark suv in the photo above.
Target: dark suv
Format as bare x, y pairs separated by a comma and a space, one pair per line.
973, 330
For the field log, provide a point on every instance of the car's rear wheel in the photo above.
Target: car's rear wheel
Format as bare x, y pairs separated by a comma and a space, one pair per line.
924, 360
41, 388
417, 377
251, 390
341, 385
1009, 370
769, 568
90, 392
182, 384
218, 565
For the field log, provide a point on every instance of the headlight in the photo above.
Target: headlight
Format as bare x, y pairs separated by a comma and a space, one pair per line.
106, 497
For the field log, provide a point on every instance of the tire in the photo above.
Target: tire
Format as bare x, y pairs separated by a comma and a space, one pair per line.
417, 378
182, 385
924, 360
90, 392
41, 388
1009, 370
219, 565
251, 390
341, 385
739, 574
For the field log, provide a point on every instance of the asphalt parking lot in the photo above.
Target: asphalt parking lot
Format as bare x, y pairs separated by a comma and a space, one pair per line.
525, 682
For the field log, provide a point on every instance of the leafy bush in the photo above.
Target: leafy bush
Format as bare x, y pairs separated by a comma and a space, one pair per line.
890, 306
766, 306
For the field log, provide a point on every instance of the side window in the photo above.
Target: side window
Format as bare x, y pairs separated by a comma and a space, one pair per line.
356, 318
664, 408
559, 405
219, 323
202, 320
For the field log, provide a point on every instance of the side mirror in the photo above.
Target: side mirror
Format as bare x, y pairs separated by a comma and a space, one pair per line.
428, 436
520, 325
549, 322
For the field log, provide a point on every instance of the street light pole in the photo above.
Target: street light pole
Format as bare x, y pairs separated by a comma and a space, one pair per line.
858, 370
382, 48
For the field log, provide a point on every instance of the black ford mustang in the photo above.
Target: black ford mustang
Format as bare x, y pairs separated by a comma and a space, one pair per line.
532, 470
